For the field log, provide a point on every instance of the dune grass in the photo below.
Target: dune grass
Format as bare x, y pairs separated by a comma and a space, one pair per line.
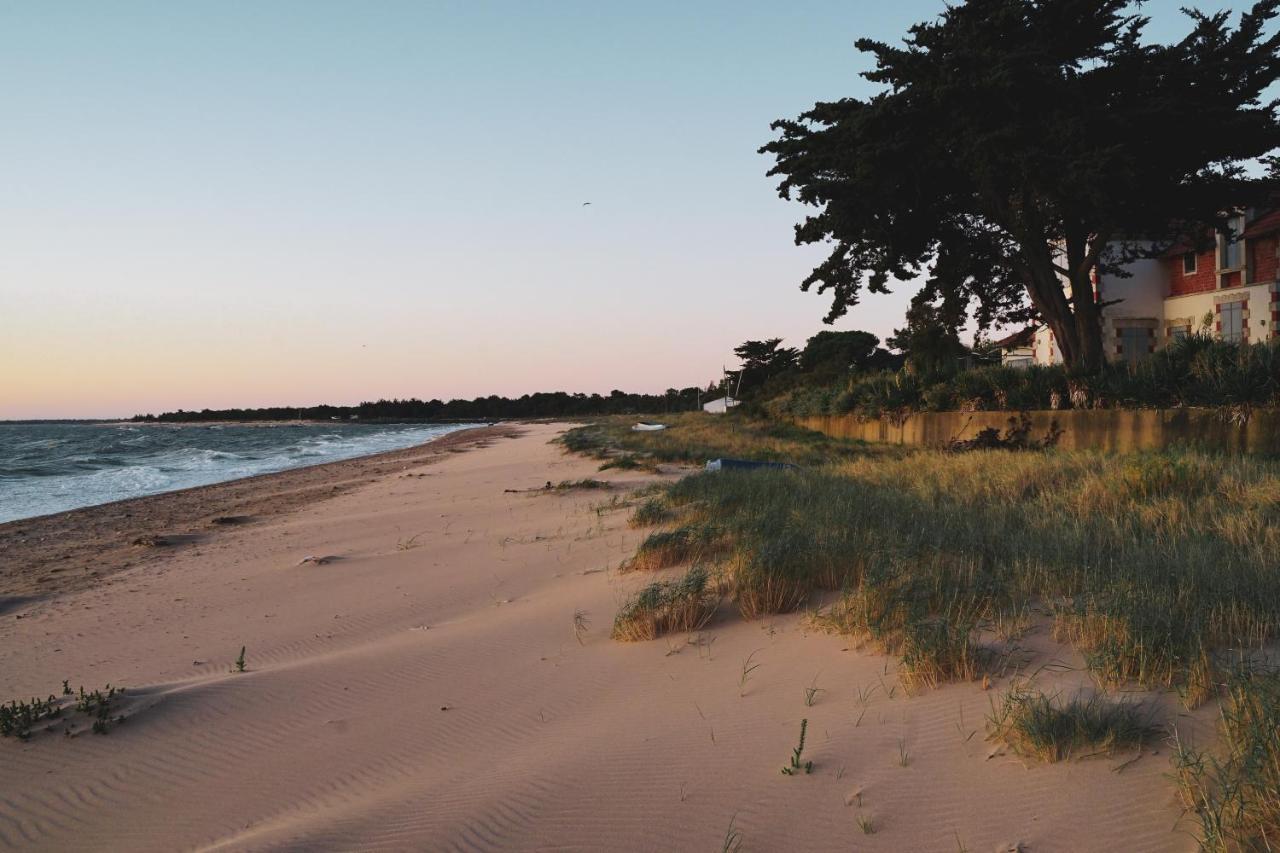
1159, 567
688, 543
695, 438
1235, 795
664, 607
1049, 729
1149, 563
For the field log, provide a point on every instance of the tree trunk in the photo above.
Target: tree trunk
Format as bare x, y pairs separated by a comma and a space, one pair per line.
1076, 323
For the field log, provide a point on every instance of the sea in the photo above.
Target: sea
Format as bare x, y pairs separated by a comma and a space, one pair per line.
52, 467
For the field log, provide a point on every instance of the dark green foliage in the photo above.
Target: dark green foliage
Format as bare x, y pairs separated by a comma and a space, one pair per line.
832, 354
18, 717
930, 340
1015, 144
796, 764
557, 404
97, 705
761, 362
240, 660
1195, 371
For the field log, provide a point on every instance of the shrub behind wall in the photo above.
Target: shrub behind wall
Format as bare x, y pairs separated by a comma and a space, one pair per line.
1196, 371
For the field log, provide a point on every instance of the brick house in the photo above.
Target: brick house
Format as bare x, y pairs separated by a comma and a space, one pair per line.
1229, 289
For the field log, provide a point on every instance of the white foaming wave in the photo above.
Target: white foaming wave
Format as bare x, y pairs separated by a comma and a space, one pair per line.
190, 466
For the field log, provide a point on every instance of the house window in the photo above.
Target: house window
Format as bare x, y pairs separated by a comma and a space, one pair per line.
1135, 341
1233, 245
1189, 263
1231, 319
1179, 333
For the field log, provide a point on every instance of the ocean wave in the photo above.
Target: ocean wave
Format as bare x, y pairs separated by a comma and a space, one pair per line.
52, 468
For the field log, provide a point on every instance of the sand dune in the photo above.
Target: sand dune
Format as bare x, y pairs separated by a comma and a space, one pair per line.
425, 691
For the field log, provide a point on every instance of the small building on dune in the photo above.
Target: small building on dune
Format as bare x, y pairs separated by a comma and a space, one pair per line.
719, 406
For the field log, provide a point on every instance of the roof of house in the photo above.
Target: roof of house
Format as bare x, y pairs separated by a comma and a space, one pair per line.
1268, 223
1024, 338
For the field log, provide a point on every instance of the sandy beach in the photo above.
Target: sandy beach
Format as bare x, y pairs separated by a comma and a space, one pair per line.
421, 686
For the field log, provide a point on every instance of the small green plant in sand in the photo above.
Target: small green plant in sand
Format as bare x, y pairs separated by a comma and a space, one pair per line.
1045, 728
97, 705
904, 755
683, 605
811, 693
866, 825
581, 625
20, 718
732, 838
240, 660
409, 543
797, 764
749, 666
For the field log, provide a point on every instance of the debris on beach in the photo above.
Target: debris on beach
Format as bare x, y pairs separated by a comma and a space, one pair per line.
747, 465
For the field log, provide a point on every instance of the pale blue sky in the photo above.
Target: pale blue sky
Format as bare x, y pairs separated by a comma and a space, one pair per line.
292, 202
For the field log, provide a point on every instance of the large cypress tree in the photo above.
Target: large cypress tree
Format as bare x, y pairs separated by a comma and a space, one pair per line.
1017, 145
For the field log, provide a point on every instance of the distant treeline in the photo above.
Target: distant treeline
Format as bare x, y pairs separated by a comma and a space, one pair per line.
541, 405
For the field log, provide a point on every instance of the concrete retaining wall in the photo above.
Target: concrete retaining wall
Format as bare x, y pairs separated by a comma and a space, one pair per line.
1118, 430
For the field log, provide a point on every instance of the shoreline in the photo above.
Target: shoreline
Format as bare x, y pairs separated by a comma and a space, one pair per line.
484, 422
51, 554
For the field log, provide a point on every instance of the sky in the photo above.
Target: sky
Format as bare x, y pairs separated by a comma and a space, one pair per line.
243, 204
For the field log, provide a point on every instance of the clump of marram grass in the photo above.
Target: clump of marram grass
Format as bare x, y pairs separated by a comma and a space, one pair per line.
585, 483
1048, 729
685, 544
939, 649
650, 513
682, 605
625, 462
1235, 796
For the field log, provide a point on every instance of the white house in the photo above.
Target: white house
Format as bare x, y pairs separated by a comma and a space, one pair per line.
1230, 289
